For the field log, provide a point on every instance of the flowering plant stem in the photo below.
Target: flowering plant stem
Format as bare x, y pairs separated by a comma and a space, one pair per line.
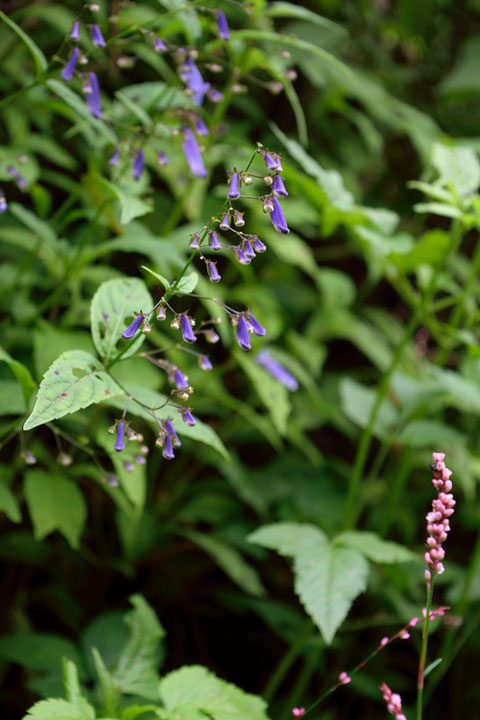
423, 652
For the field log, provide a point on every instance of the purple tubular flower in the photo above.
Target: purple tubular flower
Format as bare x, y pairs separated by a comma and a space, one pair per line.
129, 467
191, 75
186, 329
200, 127
115, 157
215, 243
159, 45
222, 26
248, 250
213, 273
242, 334
192, 154
225, 221
138, 165
204, 362
167, 451
69, 69
278, 186
120, 441
162, 158
241, 257
255, 325
97, 37
187, 417
259, 246
3, 203
215, 95
93, 97
132, 329
170, 429
267, 361
194, 242
234, 192
278, 218
180, 380
75, 34
272, 161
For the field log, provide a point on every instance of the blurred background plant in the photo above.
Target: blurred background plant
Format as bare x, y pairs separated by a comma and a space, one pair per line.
370, 303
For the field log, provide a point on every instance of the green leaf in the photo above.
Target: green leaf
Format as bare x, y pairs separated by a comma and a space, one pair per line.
134, 108
131, 206
55, 503
156, 275
458, 168
357, 402
38, 57
196, 688
80, 107
134, 482
186, 284
374, 548
134, 711
327, 578
426, 433
436, 208
229, 560
136, 670
289, 10
71, 682
112, 310
59, 710
9, 504
74, 381
22, 374
37, 651
432, 666
273, 394
110, 693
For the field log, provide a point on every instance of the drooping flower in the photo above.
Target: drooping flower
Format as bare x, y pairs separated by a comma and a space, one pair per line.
167, 451
97, 37
255, 325
195, 241
276, 370
278, 186
69, 69
393, 701
129, 467
234, 192
192, 153
162, 158
267, 205
204, 362
222, 26
211, 336
215, 243
3, 203
187, 416
181, 380
238, 218
120, 441
240, 255
248, 250
170, 430
186, 328
278, 218
272, 161
193, 79
115, 157
93, 96
258, 246
225, 221
138, 165
75, 34
213, 273
215, 95
200, 127
159, 45
161, 314
132, 329
242, 334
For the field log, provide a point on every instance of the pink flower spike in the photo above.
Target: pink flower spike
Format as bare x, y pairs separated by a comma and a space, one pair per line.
344, 678
404, 635
393, 702
298, 712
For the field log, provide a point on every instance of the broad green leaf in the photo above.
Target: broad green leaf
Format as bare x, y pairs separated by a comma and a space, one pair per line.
187, 16
374, 548
436, 208
230, 560
80, 107
22, 373
38, 57
273, 394
186, 284
156, 275
357, 403
290, 10
134, 482
50, 341
136, 669
43, 238
74, 381
327, 578
131, 206
112, 310
55, 503
134, 711
37, 651
429, 433
458, 167
59, 710
200, 432
198, 688
437, 192
9, 504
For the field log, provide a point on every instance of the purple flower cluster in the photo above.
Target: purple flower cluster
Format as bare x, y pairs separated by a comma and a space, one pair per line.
438, 519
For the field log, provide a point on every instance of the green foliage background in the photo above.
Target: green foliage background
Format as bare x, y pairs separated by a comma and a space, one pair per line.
372, 302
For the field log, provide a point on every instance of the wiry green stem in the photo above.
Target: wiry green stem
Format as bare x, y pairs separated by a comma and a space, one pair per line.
423, 652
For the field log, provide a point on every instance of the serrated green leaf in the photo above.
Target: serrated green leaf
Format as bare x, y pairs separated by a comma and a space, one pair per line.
156, 275
22, 373
74, 381
38, 57
327, 578
58, 710
112, 310
186, 284
196, 687
230, 560
374, 548
55, 503
136, 669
